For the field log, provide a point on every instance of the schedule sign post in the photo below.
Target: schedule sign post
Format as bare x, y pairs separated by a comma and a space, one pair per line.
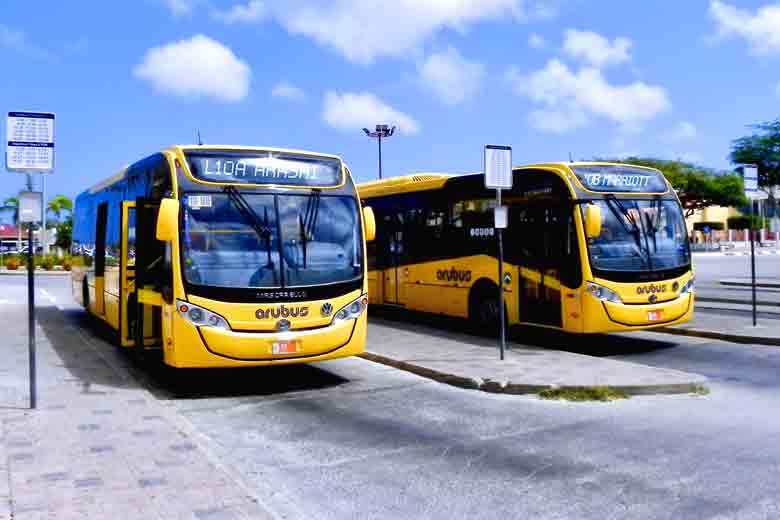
750, 180
30, 142
30, 149
498, 176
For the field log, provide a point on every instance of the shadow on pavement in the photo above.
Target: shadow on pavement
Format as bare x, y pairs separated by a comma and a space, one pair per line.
600, 345
98, 363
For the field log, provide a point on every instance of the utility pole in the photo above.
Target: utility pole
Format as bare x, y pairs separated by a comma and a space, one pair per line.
382, 131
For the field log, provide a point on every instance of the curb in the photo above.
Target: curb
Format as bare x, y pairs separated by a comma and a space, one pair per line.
739, 283
38, 272
506, 387
732, 338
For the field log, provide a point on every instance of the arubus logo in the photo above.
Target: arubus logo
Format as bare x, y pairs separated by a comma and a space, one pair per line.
282, 312
651, 289
453, 275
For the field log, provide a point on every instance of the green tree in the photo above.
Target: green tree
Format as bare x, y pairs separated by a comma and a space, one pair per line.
12, 204
59, 204
761, 148
696, 186
65, 234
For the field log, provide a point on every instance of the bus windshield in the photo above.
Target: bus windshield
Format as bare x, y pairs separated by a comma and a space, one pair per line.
235, 239
639, 235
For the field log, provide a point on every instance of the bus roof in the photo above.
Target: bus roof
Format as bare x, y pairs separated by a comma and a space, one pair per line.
433, 181
121, 174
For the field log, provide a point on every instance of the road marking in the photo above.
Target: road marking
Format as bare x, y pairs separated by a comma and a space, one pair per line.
48, 295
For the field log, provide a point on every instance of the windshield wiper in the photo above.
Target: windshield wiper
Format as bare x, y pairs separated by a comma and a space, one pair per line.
308, 222
261, 228
634, 230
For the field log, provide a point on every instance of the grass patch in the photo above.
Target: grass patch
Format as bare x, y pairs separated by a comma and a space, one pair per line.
700, 390
587, 393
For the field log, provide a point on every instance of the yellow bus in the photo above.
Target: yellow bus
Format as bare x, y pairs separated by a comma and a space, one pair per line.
227, 256
590, 247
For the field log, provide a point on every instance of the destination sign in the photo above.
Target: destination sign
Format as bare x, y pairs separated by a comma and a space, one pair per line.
268, 168
620, 179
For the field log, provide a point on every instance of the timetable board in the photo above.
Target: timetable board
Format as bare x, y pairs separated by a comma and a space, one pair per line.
30, 142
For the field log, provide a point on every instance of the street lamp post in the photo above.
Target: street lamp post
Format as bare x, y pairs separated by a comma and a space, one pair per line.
380, 132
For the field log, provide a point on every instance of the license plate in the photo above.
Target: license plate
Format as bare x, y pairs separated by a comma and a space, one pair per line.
286, 347
655, 315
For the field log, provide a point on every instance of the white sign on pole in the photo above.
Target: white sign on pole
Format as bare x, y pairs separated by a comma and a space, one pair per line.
498, 167
750, 178
30, 205
501, 217
30, 142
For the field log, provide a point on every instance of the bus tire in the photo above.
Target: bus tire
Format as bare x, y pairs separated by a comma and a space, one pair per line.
484, 308
85, 293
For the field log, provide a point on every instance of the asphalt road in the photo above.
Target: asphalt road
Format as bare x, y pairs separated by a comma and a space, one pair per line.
352, 439
722, 299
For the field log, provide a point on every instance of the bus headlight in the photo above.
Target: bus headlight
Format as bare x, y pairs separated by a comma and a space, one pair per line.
352, 310
200, 317
602, 293
688, 287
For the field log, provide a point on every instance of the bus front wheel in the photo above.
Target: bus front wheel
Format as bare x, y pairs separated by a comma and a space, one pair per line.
484, 309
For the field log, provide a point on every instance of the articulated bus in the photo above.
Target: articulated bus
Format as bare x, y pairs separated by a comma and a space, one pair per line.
227, 256
589, 248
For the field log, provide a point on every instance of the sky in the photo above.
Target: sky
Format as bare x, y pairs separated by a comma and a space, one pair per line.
551, 78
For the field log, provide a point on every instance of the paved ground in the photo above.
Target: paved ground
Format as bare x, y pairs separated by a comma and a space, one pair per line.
351, 438
432, 346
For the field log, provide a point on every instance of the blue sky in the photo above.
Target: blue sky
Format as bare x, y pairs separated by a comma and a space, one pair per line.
548, 77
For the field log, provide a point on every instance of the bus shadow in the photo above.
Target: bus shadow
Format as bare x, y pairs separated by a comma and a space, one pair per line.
102, 363
599, 345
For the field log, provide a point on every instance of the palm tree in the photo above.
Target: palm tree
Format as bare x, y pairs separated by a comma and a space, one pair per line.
12, 204
58, 204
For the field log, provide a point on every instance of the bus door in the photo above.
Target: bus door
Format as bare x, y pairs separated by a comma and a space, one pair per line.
128, 297
540, 235
149, 267
394, 272
101, 228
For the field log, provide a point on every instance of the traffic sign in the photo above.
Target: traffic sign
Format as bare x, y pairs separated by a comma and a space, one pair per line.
750, 178
30, 142
498, 167
30, 206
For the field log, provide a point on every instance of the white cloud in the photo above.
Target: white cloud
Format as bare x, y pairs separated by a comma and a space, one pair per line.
761, 30
682, 131
180, 7
570, 99
365, 30
289, 91
352, 111
198, 67
17, 40
253, 11
595, 49
536, 41
450, 76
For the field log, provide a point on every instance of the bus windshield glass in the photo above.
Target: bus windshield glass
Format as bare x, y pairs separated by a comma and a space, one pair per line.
235, 239
276, 168
639, 235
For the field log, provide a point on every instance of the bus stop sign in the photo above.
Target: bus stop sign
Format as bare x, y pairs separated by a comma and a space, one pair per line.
498, 167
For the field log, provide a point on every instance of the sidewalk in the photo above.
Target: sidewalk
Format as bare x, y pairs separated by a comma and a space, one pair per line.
100, 446
736, 329
38, 272
473, 362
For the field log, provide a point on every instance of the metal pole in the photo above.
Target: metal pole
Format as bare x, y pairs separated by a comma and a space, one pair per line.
379, 140
31, 312
753, 260
501, 280
44, 234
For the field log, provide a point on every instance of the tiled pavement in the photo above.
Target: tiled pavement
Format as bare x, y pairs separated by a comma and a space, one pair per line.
99, 445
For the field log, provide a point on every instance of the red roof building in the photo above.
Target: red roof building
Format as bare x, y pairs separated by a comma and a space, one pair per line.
8, 231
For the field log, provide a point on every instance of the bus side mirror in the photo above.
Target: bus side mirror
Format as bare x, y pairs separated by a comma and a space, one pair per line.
167, 220
592, 220
370, 223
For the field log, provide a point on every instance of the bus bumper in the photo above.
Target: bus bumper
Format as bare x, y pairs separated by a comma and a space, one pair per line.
205, 347
607, 316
